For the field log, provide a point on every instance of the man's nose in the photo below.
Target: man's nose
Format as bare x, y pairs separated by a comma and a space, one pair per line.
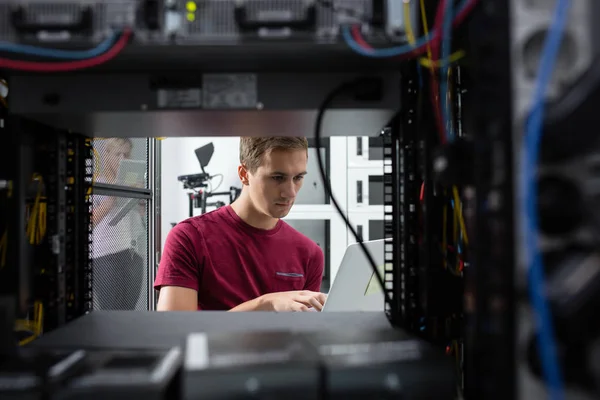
289, 190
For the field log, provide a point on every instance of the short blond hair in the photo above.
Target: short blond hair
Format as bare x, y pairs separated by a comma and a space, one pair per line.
252, 148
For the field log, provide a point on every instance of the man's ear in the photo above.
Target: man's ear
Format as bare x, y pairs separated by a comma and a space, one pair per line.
243, 174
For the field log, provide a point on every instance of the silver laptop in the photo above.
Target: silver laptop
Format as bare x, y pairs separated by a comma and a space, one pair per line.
355, 287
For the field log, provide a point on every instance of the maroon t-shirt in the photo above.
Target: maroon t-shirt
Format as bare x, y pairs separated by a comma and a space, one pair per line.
230, 262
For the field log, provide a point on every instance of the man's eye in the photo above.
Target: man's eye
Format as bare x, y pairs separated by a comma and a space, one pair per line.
299, 178
278, 178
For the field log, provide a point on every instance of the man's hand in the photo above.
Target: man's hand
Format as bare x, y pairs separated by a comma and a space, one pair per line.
301, 300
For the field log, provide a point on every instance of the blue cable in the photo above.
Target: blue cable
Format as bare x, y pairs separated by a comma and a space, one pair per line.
392, 51
445, 55
55, 53
533, 126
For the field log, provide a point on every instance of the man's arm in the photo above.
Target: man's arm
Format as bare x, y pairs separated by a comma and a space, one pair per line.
178, 275
299, 300
251, 305
173, 298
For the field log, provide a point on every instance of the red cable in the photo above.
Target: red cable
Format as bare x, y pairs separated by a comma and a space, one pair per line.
435, 48
435, 56
437, 112
438, 27
434, 92
65, 66
458, 19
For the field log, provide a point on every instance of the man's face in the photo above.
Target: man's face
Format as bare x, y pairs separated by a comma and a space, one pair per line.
274, 185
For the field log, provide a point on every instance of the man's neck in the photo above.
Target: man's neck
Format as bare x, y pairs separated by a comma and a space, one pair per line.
244, 208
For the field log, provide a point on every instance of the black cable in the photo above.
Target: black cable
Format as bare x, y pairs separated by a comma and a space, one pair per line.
319, 122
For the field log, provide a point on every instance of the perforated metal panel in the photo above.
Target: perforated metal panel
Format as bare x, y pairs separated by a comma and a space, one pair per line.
120, 236
121, 161
120, 256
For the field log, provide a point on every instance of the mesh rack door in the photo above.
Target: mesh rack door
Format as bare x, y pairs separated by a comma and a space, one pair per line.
120, 238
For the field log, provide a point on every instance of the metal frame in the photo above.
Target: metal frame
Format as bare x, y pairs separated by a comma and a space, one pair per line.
406, 307
326, 145
154, 218
147, 194
361, 219
393, 191
361, 175
79, 175
87, 174
59, 235
358, 152
105, 189
490, 371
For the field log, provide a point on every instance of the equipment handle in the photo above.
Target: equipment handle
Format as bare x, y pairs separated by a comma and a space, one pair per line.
275, 19
359, 192
81, 25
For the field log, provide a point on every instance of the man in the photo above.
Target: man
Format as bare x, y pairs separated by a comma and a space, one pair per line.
118, 268
243, 257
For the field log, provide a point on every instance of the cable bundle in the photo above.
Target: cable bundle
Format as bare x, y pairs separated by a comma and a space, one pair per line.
78, 60
36, 222
32, 328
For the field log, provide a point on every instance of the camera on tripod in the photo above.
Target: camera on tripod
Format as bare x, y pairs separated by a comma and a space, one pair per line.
198, 183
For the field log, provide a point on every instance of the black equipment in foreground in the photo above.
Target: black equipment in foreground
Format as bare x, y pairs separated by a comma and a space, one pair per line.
278, 365
369, 364
89, 374
388, 364
245, 356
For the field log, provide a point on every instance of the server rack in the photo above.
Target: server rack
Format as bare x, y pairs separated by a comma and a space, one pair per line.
47, 221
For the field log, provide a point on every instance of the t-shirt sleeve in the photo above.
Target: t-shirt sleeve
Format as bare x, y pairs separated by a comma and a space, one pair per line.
315, 270
181, 261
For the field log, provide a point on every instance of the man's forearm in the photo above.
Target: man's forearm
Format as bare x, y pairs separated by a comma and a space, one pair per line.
251, 305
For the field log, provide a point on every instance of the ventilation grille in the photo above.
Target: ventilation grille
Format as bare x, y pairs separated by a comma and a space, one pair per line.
217, 18
119, 245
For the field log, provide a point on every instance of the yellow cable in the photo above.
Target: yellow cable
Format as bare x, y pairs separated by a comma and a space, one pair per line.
425, 28
35, 326
26, 325
454, 57
36, 224
410, 35
27, 340
39, 317
459, 214
455, 224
